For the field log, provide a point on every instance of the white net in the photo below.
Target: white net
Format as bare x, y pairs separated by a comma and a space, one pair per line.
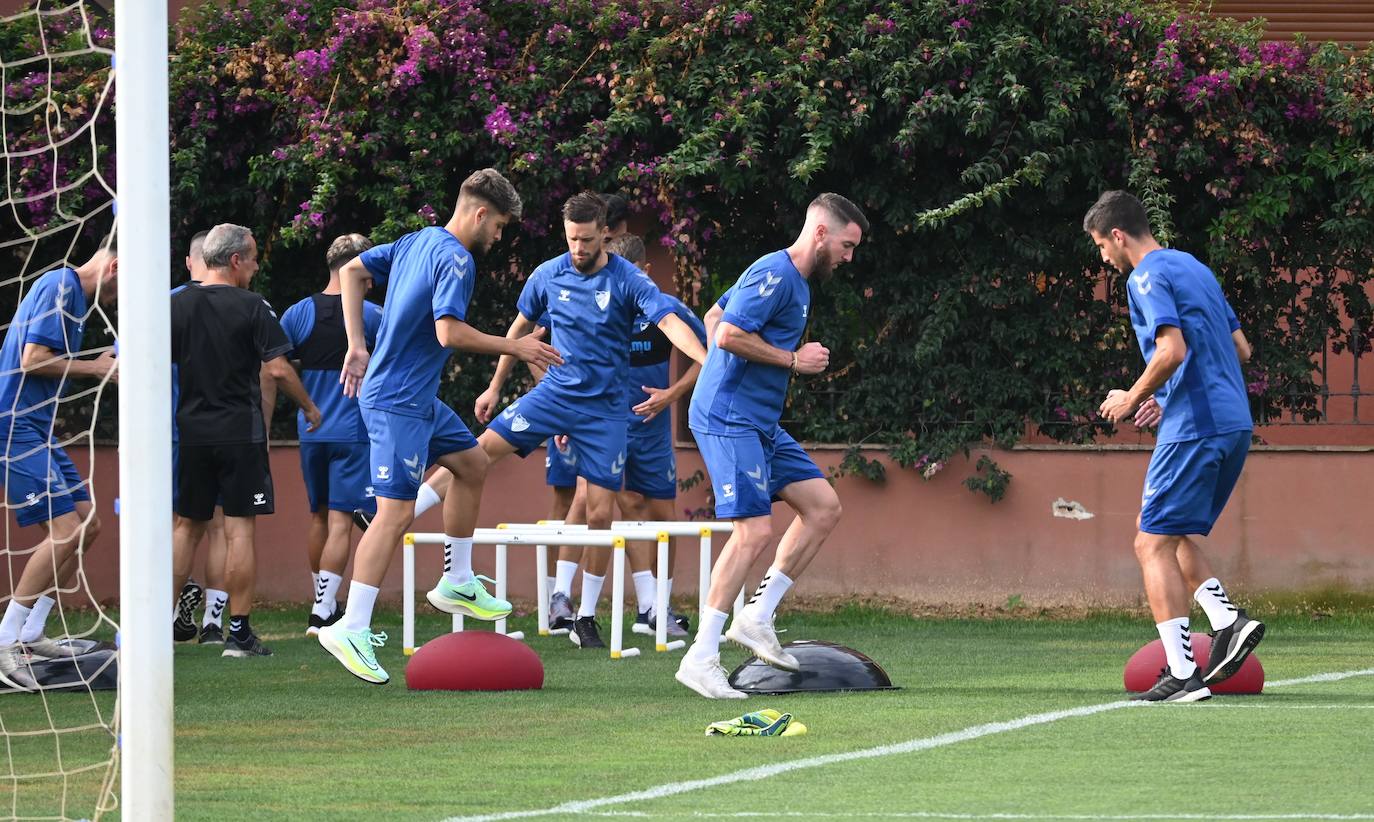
58, 734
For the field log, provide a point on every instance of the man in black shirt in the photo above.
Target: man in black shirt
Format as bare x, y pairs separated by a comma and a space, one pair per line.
222, 337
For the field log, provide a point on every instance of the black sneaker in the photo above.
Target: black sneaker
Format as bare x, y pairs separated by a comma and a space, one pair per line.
1230, 647
184, 626
362, 519
1170, 688
252, 646
211, 634
642, 624
560, 613
585, 634
316, 622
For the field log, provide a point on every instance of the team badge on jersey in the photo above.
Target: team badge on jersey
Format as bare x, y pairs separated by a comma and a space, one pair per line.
603, 299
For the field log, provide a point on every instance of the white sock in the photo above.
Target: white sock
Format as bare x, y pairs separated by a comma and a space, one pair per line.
458, 560
215, 602
325, 593
591, 592
358, 612
15, 617
37, 619
562, 583
644, 590
426, 499
770, 592
1178, 646
1212, 597
707, 644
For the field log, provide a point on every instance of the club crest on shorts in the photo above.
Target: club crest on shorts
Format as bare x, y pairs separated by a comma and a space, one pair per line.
603, 299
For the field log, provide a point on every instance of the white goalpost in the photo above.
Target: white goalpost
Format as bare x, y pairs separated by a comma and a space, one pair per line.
145, 451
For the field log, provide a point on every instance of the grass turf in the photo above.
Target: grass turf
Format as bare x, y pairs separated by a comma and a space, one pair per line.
296, 737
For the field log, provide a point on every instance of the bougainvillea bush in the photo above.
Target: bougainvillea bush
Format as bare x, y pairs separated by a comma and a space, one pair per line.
974, 133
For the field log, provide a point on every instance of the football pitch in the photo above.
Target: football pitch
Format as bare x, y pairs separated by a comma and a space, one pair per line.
1007, 718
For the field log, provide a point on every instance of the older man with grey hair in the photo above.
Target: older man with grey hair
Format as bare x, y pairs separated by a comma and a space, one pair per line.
334, 457
222, 336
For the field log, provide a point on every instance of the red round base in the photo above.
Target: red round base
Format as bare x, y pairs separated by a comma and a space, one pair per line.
474, 661
1144, 667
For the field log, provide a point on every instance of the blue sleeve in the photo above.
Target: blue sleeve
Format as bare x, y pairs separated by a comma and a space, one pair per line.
725, 298
532, 303
651, 302
377, 260
693, 322
372, 322
296, 323
49, 324
756, 298
1231, 321
1154, 294
452, 291
544, 320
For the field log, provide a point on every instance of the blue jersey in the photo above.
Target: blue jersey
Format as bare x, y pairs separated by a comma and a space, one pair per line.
650, 357
52, 314
734, 395
1206, 395
593, 317
316, 330
428, 275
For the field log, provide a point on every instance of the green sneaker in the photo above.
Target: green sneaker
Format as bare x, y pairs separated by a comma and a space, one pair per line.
354, 650
469, 599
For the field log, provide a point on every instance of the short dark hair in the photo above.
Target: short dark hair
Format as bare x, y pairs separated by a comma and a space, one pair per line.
629, 246
345, 248
1117, 209
840, 208
198, 241
617, 209
490, 186
110, 243
586, 207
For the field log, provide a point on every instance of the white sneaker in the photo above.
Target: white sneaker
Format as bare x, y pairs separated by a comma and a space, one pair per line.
63, 648
707, 677
759, 637
14, 669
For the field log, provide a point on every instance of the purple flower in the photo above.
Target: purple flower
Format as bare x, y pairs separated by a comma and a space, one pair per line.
500, 126
742, 19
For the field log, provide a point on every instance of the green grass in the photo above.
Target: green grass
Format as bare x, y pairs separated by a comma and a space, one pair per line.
294, 737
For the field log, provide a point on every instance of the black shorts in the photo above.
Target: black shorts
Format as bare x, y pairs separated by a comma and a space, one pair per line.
236, 476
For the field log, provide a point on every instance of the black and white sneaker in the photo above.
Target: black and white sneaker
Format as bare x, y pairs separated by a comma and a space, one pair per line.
1230, 647
316, 622
642, 624
252, 646
184, 626
1170, 688
560, 613
211, 634
584, 633
362, 519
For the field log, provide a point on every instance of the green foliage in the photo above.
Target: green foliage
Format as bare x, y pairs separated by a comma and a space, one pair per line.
974, 134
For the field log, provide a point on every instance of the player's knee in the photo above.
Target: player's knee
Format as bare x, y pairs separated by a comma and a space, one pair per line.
755, 536
827, 516
1147, 546
93, 527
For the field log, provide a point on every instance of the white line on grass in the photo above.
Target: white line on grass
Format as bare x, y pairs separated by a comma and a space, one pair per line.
1133, 817
910, 746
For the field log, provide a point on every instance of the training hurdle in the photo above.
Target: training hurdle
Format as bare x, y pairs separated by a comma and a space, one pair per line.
541, 535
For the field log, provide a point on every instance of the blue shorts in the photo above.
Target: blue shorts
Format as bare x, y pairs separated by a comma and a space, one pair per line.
41, 483
1188, 483
650, 461
748, 470
403, 446
598, 445
560, 467
336, 476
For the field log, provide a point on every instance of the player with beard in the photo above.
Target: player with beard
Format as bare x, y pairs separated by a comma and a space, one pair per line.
429, 276
593, 300
735, 409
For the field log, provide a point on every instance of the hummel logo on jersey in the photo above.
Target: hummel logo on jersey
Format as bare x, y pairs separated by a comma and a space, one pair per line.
414, 467
259, 499
603, 299
383, 473
618, 464
769, 285
805, 309
1142, 283
519, 423
564, 295
727, 491
460, 261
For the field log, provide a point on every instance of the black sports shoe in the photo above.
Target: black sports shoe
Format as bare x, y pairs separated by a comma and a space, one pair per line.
1230, 647
211, 634
315, 623
1170, 688
642, 624
184, 626
584, 633
362, 519
252, 646
560, 613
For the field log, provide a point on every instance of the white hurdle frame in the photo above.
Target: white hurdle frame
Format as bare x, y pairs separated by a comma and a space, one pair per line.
501, 538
